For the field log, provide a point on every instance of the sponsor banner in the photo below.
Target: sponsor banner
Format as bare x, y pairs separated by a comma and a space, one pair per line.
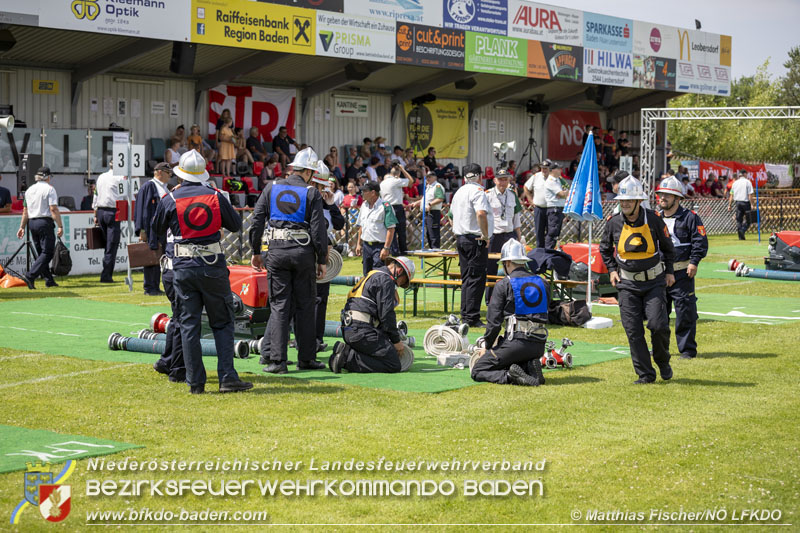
443, 124
355, 37
725, 50
415, 11
429, 46
698, 46
260, 107
778, 175
565, 132
754, 172
655, 40
537, 64
24, 12
653, 73
541, 22
485, 16
707, 167
607, 33
153, 19
605, 67
705, 79
253, 25
693, 168
496, 54
564, 61
319, 5
347, 106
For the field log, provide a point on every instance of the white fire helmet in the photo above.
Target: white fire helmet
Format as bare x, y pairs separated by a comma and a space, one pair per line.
514, 251
407, 265
321, 174
670, 185
631, 189
191, 167
305, 158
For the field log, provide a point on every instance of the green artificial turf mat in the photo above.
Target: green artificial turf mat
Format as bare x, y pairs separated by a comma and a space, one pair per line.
19, 446
80, 328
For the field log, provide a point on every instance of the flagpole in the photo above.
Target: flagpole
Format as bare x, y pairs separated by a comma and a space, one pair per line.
589, 280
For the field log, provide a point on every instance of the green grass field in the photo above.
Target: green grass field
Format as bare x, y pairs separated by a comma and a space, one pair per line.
721, 436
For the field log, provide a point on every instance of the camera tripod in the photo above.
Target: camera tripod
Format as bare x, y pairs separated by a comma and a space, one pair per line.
30, 251
530, 150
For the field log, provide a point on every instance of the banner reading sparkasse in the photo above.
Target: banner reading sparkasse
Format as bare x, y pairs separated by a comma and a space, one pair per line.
254, 25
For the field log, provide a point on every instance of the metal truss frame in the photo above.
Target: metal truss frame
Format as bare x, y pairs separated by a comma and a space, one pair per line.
651, 116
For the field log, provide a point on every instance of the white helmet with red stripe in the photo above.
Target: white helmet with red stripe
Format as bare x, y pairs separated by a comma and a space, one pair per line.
321, 174
407, 265
670, 185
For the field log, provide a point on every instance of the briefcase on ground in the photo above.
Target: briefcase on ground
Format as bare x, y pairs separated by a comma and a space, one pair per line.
751, 216
141, 255
94, 238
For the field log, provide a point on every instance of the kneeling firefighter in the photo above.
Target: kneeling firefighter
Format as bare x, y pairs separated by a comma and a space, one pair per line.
372, 342
519, 300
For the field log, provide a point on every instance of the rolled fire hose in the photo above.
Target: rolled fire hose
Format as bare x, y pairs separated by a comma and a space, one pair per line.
443, 340
476, 350
406, 359
334, 266
743, 270
117, 341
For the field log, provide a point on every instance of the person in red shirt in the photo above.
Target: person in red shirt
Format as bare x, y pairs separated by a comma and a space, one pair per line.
352, 199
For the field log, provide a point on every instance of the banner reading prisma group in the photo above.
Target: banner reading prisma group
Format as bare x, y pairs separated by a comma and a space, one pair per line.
254, 25
442, 124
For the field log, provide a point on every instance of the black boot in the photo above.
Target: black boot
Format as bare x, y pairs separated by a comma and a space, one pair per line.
338, 359
534, 369
517, 376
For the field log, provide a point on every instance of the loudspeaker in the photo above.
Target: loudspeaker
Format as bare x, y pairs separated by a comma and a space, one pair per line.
182, 61
466, 84
604, 95
26, 172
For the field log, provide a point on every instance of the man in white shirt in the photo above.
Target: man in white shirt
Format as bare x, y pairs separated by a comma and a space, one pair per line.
372, 172
398, 155
392, 193
534, 193
742, 194
505, 210
434, 199
110, 188
376, 223
473, 227
40, 213
556, 197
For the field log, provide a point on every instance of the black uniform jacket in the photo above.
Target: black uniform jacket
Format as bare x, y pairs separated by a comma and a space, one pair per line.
502, 305
375, 295
637, 246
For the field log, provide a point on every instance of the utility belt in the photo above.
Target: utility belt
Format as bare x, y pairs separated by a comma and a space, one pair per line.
348, 317
528, 328
682, 265
299, 236
198, 250
646, 275
166, 263
374, 243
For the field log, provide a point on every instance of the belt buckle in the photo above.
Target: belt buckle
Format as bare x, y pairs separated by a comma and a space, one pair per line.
638, 275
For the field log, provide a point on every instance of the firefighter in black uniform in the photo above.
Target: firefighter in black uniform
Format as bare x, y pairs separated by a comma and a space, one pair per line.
297, 253
372, 342
194, 214
640, 268
691, 246
519, 300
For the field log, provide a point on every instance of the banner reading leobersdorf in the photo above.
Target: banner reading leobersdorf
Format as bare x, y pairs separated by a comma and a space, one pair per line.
442, 124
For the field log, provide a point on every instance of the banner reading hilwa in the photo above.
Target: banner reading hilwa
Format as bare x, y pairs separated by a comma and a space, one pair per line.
260, 107
442, 124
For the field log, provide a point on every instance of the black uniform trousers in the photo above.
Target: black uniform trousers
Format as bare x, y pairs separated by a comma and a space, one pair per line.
291, 274
472, 259
371, 256
206, 287
111, 233
172, 358
399, 243
323, 291
639, 300
44, 240
433, 228
152, 279
555, 218
369, 349
494, 364
682, 294
496, 243
540, 221
741, 218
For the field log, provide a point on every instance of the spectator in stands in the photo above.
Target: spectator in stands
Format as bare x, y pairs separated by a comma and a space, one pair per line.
226, 114
255, 146
688, 188
725, 183
180, 136
281, 144
195, 140
409, 157
242, 153
382, 154
227, 150
623, 143
701, 188
683, 172
608, 139
352, 153
635, 163
587, 129
338, 195
397, 155
512, 167
715, 187
366, 149
372, 169
272, 170
172, 155
352, 199
377, 141
330, 162
353, 171
86, 201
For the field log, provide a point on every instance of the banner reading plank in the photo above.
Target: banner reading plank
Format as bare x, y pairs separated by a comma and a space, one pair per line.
254, 25
565, 132
259, 107
442, 124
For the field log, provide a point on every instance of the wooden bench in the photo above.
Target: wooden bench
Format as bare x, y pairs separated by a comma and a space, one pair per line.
563, 288
457, 275
416, 284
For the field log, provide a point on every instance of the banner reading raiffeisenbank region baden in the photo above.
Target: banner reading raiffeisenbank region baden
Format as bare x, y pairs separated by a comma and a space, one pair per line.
442, 124
254, 25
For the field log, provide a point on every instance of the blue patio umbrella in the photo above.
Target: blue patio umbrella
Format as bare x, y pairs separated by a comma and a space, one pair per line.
583, 200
